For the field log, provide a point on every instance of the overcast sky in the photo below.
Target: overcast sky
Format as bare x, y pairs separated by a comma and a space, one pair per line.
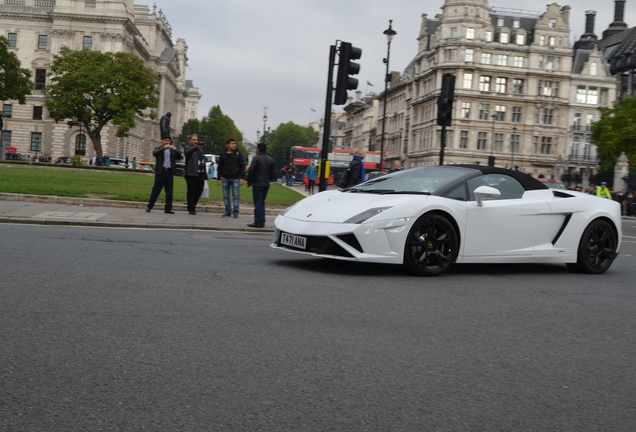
245, 55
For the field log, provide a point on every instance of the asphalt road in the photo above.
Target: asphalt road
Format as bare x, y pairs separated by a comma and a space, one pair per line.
106, 329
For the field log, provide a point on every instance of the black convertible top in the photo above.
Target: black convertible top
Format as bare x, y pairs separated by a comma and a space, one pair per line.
528, 182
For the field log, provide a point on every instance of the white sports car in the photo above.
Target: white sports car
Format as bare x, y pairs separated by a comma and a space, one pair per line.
430, 217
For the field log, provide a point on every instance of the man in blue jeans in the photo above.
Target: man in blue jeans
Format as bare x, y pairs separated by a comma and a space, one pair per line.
231, 173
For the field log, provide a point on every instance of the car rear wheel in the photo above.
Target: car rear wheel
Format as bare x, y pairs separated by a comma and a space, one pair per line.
597, 248
431, 246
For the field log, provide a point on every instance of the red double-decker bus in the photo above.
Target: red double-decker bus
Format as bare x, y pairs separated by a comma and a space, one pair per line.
339, 160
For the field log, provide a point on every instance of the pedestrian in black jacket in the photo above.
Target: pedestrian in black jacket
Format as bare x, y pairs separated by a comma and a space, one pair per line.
260, 174
166, 155
194, 172
231, 173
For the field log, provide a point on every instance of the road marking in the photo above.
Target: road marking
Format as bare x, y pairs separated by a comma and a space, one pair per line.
69, 216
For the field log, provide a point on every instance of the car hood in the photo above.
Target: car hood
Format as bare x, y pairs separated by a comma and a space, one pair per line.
337, 206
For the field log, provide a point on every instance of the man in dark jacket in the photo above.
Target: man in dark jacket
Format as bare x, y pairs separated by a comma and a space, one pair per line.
231, 173
194, 172
166, 155
260, 174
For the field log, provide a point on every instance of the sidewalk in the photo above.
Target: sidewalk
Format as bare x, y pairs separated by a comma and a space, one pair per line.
53, 210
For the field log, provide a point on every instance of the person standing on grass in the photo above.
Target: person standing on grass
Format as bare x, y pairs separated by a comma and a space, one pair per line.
231, 173
166, 155
194, 172
262, 171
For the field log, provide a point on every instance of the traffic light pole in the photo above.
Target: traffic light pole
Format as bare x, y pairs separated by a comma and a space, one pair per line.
443, 144
326, 130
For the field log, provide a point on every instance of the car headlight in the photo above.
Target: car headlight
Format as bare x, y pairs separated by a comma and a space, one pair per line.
287, 209
365, 215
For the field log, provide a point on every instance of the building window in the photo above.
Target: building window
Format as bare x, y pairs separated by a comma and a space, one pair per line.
43, 42
587, 151
37, 113
13, 40
581, 94
515, 23
454, 55
470, 55
465, 110
574, 152
7, 110
552, 41
500, 110
488, 36
540, 62
500, 22
6, 138
552, 23
514, 143
468, 81
558, 63
453, 32
449, 138
519, 61
470, 33
546, 145
484, 83
594, 69
484, 110
498, 141
548, 88
503, 38
549, 64
542, 40
88, 43
521, 39
548, 114
517, 86
501, 85
516, 114
482, 139
536, 145
463, 140
592, 96
40, 79
589, 122
80, 145
36, 141
486, 58
502, 60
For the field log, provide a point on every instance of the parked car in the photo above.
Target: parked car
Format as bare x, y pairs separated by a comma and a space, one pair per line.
117, 163
13, 157
63, 160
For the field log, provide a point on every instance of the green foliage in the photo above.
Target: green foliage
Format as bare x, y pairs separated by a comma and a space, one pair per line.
615, 133
285, 137
192, 126
115, 184
15, 82
216, 128
92, 88
76, 161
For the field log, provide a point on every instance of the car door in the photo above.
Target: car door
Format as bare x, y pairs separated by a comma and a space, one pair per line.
510, 225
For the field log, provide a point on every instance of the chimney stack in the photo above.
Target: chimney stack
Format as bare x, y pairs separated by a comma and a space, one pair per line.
590, 16
618, 25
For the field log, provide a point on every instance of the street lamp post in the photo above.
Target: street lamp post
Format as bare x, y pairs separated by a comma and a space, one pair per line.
389, 36
264, 122
491, 158
512, 148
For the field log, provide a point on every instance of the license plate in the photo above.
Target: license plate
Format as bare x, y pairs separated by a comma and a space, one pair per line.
293, 240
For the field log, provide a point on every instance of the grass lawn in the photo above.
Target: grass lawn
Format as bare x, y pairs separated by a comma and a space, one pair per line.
117, 186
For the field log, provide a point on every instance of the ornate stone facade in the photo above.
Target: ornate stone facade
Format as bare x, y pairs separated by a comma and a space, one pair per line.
41, 27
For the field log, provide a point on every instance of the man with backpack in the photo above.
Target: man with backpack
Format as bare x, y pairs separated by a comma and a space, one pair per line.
231, 174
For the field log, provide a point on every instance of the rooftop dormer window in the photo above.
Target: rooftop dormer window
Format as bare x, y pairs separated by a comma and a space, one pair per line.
552, 23
500, 22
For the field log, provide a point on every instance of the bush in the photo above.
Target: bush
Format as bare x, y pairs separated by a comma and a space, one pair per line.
77, 161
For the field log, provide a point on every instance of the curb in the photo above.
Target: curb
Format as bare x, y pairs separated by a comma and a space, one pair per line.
132, 225
97, 202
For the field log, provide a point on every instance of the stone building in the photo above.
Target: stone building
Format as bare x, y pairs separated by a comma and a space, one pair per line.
523, 95
37, 29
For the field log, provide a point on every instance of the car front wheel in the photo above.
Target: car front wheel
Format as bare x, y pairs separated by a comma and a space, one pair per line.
597, 248
431, 246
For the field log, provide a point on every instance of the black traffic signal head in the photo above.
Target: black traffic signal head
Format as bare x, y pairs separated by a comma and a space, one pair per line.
345, 68
445, 101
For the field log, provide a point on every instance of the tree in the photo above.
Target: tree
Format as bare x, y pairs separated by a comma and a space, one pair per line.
217, 128
191, 127
15, 82
615, 133
286, 136
92, 88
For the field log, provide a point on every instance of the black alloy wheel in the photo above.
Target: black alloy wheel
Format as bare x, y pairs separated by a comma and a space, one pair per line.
597, 248
431, 246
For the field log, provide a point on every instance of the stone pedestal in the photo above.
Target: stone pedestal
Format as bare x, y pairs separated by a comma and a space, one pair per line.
621, 171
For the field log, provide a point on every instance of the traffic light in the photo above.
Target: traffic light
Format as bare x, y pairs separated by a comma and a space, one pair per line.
345, 68
445, 100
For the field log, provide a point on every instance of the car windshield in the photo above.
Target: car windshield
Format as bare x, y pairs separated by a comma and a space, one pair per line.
554, 185
424, 180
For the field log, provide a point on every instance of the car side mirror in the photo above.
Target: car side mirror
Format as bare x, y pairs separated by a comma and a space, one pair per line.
486, 193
